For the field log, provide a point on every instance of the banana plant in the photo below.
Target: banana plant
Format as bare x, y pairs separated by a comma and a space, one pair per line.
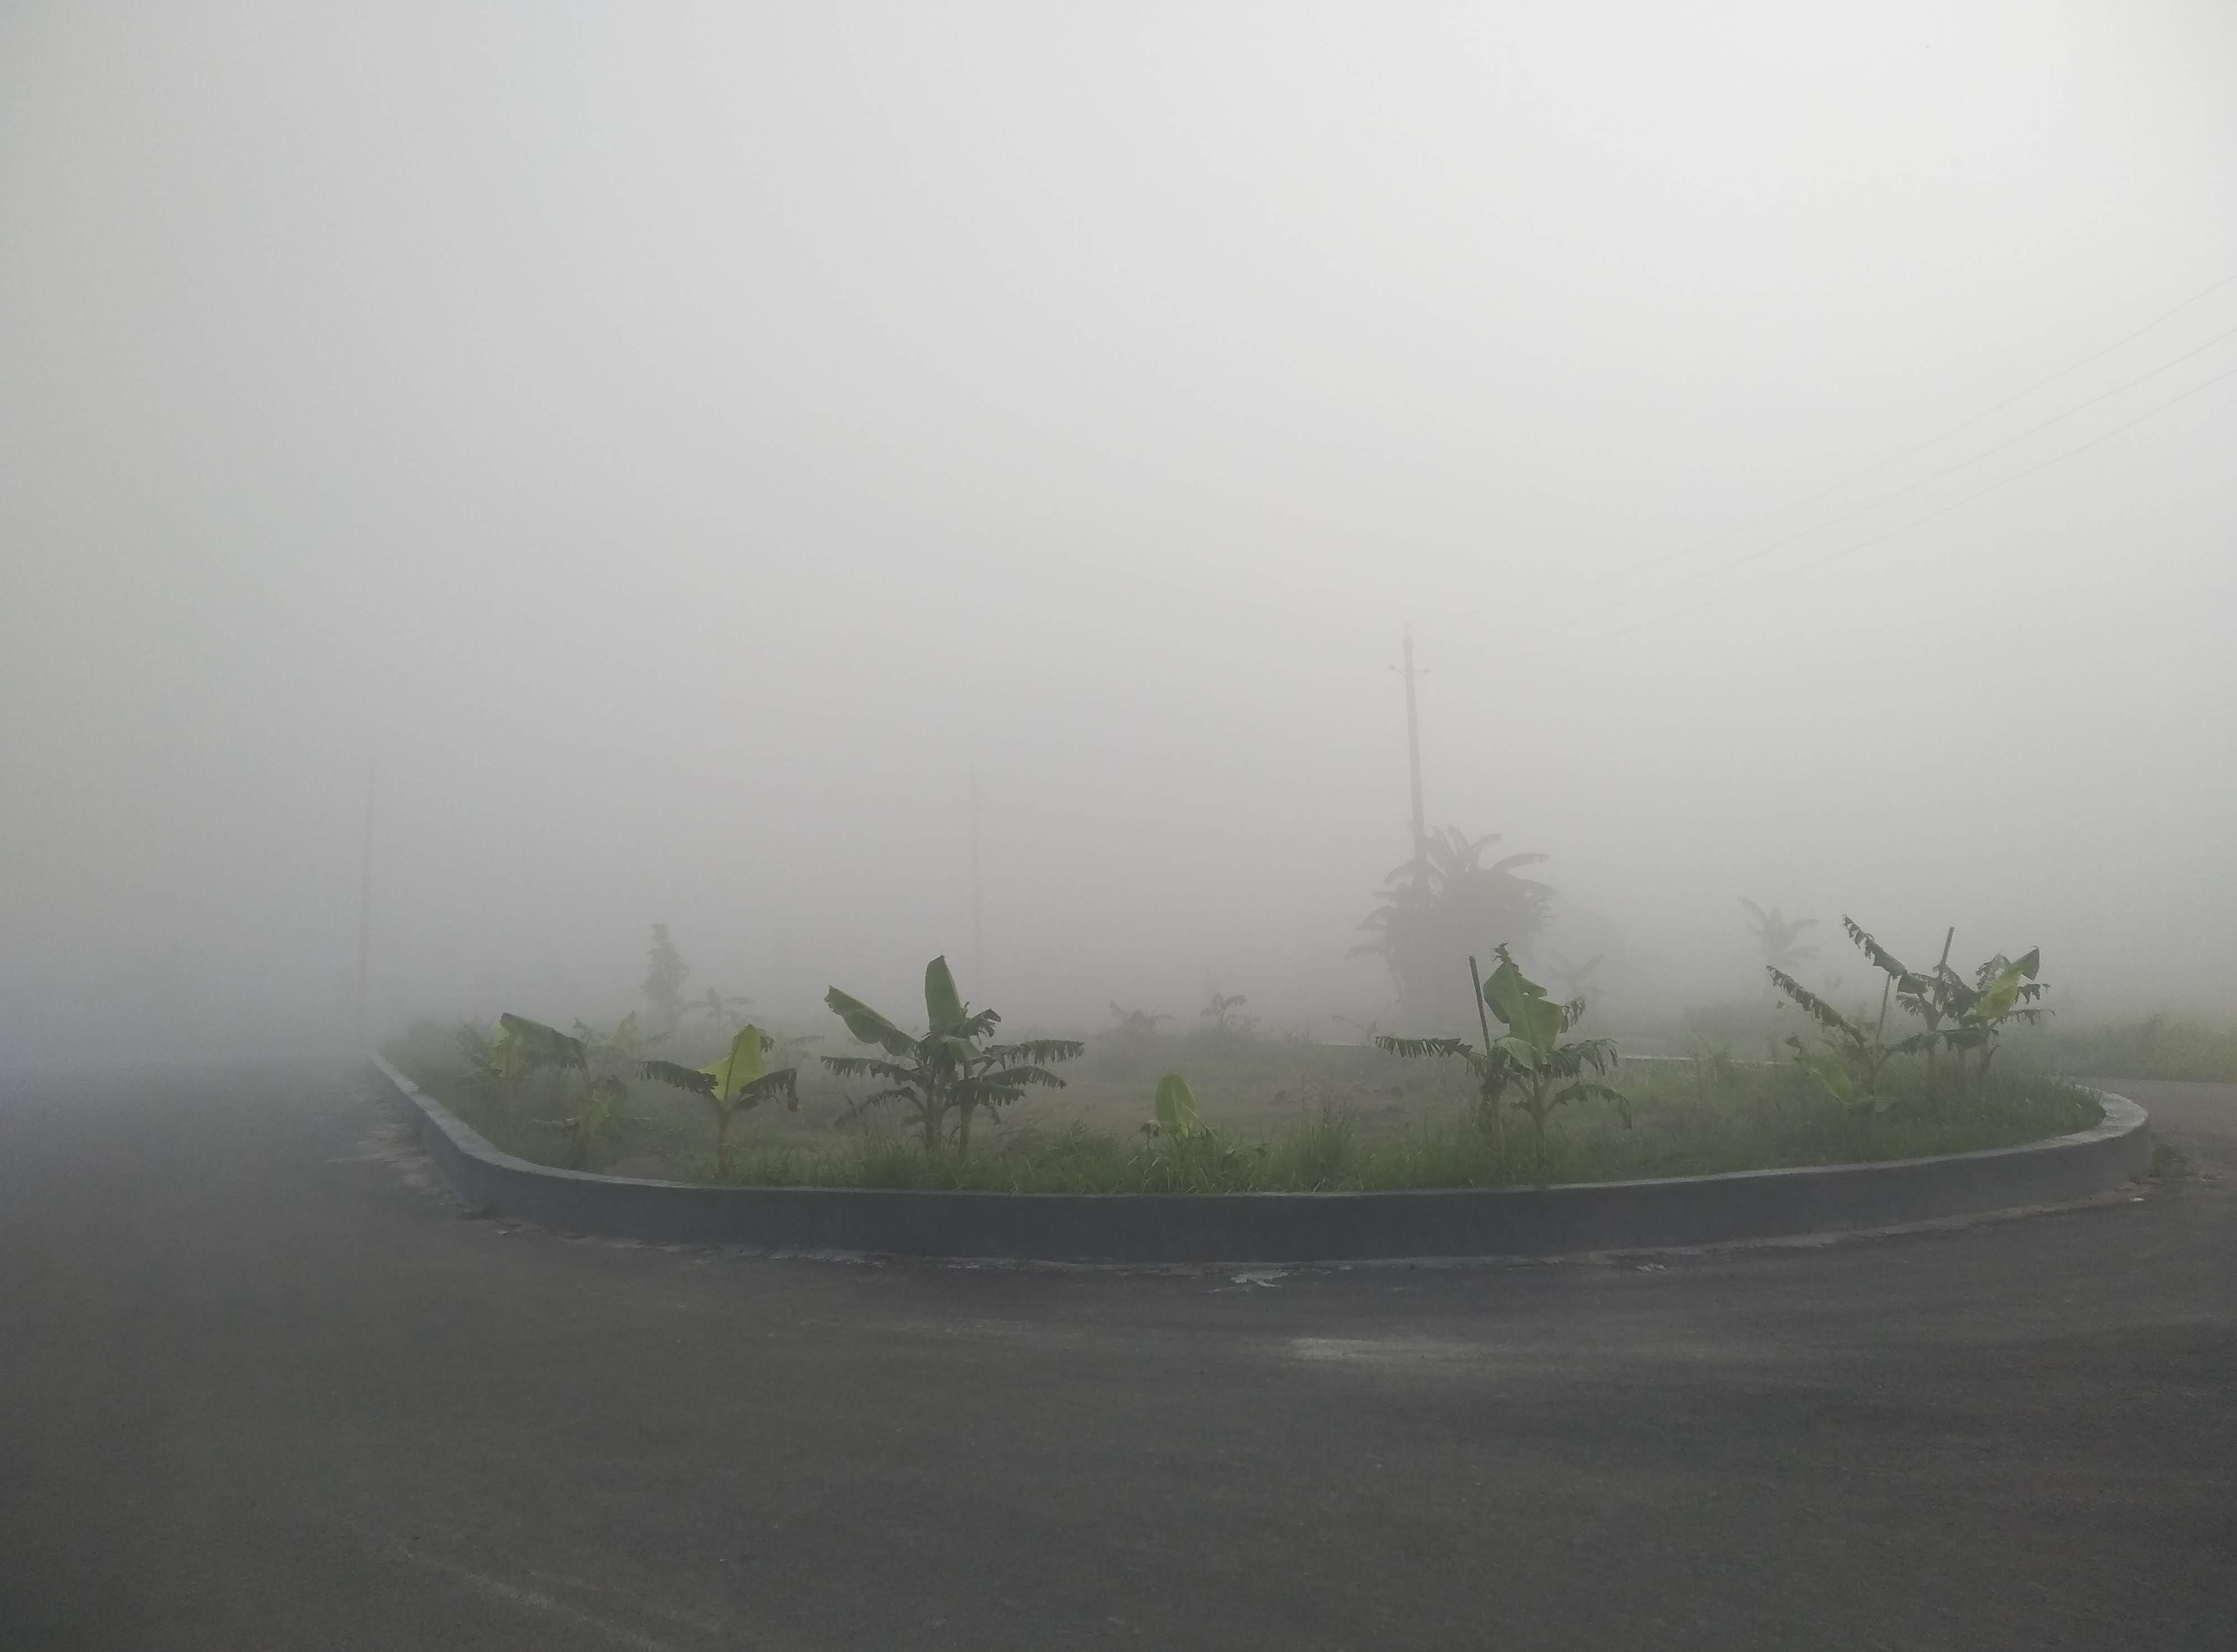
951, 1072
523, 1047
2002, 990
739, 1082
1175, 1107
1134, 1029
1933, 997
624, 1042
1925, 996
1779, 938
1530, 1059
1849, 1063
1435, 907
1220, 1010
1547, 1071
717, 1007
480, 1076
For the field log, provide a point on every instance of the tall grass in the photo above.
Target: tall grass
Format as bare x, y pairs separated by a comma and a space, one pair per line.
2149, 1046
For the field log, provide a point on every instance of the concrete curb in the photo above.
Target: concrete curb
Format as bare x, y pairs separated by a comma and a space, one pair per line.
1672, 1212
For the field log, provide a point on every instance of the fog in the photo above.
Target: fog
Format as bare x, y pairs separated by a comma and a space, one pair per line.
678, 447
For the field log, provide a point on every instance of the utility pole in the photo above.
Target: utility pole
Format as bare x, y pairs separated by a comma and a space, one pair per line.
364, 910
1413, 763
977, 920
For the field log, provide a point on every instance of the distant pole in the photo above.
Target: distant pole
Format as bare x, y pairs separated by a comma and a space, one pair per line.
978, 917
365, 911
1414, 760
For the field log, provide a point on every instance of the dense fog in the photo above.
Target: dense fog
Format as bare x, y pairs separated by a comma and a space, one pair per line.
675, 449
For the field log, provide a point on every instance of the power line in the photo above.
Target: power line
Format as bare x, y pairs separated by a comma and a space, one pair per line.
1723, 534
1866, 509
1842, 551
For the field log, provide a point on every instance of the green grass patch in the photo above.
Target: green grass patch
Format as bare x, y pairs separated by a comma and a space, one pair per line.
1286, 1115
2149, 1046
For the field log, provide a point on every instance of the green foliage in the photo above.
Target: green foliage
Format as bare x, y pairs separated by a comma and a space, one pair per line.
1175, 1106
1531, 1058
597, 1108
2158, 1046
737, 1083
1222, 1010
1134, 1030
1324, 1151
718, 1007
593, 1102
1960, 1016
1434, 911
1547, 1071
1779, 938
1849, 1063
523, 1047
665, 974
623, 1041
950, 1072
1289, 1117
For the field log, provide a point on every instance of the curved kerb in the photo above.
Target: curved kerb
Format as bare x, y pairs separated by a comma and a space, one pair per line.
1291, 1227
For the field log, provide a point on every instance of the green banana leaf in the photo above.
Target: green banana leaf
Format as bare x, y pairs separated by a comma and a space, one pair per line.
2003, 989
943, 1004
867, 1025
743, 1065
1176, 1107
1521, 1004
523, 1046
1831, 1072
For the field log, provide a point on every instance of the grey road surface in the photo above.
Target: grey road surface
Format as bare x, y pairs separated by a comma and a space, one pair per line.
261, 1387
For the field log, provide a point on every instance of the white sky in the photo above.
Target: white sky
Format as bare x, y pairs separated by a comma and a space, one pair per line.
685, 441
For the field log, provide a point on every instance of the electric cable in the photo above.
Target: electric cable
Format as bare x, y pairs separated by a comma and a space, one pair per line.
1762, 552
1862, 544
1966, 424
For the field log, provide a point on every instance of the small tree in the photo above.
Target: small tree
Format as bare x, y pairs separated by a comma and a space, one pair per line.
736, 1084
1175, 1107
1134, 1030
950, 1072
1954, 1014
594, 1100
2003, 990
718, 1007
1849, 1063
1530, 1059
1435, 908
1779, 938
1220, 1009
665, 974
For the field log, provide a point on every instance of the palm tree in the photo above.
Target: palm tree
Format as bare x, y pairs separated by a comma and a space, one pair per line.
1438, 911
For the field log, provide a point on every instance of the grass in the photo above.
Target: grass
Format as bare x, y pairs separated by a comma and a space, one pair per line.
1289, 1115
2150, 1047
2144, 1047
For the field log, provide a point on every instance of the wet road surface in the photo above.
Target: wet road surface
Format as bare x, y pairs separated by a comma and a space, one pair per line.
262, 1386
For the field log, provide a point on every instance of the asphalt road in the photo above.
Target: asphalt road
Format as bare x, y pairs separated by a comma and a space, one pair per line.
260, 1387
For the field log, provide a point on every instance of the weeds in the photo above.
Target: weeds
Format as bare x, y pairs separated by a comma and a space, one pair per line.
2149, 1046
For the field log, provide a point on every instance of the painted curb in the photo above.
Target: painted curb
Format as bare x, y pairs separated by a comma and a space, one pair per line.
1442, 1222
